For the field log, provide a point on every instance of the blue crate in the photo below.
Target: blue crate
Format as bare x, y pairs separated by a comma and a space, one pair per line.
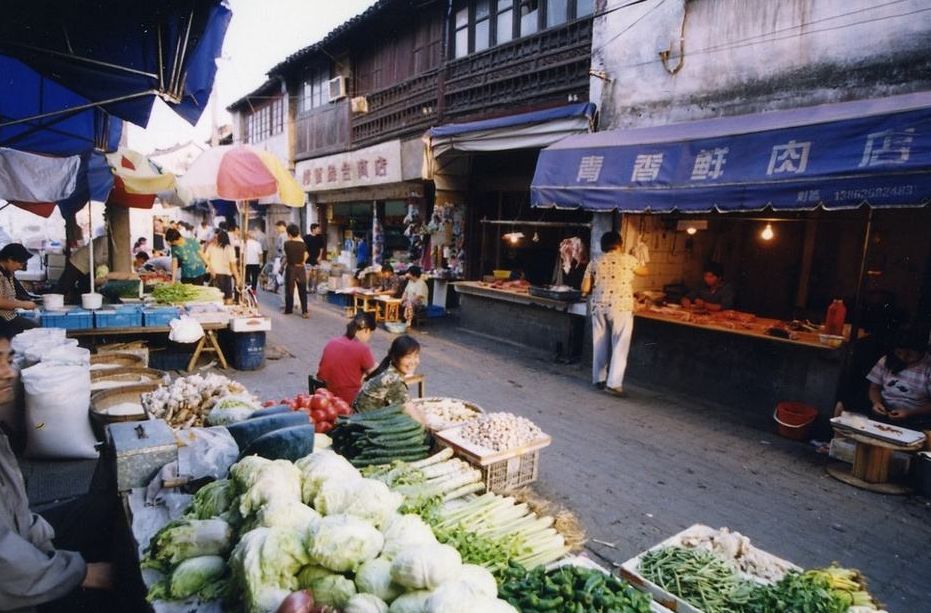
435, 311
341, 300
77, 319
124, 317
158, 316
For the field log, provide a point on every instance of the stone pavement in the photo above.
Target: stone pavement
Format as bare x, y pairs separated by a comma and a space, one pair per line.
639, 469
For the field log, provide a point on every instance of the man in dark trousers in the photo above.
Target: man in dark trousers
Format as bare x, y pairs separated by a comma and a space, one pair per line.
295, 275
316, 244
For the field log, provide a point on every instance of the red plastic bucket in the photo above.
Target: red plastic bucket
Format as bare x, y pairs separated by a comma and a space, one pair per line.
794, 419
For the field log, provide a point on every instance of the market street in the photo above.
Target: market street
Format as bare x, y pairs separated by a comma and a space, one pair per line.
639, 469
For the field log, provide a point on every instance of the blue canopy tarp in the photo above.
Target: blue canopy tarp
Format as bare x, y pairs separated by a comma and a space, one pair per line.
119, 56
838, 156
582, 109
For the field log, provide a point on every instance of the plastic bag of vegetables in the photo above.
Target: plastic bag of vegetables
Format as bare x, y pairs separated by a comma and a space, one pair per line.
364, 498
264, 566
231, 409
201, 577
365, 603
320, 467
426, 566
374, 577
343, 543
187, 538
402, 531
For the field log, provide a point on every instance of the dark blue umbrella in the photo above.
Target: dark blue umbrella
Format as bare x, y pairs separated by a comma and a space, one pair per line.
114, 56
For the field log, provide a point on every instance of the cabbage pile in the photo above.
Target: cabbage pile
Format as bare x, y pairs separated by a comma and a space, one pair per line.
318, 524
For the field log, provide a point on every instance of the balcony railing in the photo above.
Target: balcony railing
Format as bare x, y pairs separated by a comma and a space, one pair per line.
399, 110
324, 131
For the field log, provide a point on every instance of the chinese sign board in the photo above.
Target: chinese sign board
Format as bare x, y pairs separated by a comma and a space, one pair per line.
375, 165
881, 160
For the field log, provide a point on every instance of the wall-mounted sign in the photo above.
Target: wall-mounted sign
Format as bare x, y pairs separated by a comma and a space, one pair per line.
375, 165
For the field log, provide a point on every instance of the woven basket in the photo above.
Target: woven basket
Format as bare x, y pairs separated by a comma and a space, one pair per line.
117, 360
104, 399
127, 376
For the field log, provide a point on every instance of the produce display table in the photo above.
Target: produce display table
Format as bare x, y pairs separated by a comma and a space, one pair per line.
207, 344
873, 455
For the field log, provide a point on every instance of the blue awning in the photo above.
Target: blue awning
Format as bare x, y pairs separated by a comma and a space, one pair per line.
838, 156
584, 109
119, 55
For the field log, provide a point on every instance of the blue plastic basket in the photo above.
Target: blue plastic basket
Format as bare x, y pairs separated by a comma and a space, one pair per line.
124, 317
77, 319
159, 316
435, 311
342, 300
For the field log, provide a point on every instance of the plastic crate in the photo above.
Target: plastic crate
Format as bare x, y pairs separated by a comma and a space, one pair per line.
341, 300
434, 310
121, 317
512, 473
173, 357
76, 319
158, 317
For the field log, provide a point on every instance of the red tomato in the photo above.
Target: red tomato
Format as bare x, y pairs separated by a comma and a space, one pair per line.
324, 427
319, 403
342, 407
285, 401
331, 413
268, 403
318, 416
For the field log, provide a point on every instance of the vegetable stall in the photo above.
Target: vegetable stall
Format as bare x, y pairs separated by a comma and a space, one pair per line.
304, 507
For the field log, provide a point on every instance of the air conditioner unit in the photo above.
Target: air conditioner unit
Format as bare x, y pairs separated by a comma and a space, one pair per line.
360, 105
337, 88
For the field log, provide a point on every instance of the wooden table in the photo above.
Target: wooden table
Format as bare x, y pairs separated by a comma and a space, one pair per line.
387, 308
421, 381
872, 458
207, 344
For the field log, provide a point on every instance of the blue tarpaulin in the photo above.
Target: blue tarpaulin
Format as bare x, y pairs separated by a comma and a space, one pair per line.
583, 109
118, 55
838, 156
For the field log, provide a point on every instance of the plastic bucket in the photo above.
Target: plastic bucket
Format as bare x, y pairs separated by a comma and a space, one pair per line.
794, 419
248, 350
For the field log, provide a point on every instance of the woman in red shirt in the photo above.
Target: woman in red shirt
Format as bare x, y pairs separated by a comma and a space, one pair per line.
347, 358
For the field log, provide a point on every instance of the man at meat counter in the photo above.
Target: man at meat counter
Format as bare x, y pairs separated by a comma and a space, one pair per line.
53, 568
717, 295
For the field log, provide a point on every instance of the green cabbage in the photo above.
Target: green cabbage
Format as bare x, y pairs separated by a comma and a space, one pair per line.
365, 498
187, 538
412, 602
212, 500
343, 543
480, 578
365, 603
265, 565
334, 590
320, 467
201, 577
230, 409
403, 531
462, 597
374, 577
277, 482
285, 514
311, 573
426, 566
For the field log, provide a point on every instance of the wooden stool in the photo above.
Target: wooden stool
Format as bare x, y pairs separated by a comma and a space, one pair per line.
870, 470
421, 381
209, 337
390, 309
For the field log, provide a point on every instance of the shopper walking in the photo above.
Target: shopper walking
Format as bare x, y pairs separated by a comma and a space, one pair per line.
609, 280
221, 264
253, 250
295, 276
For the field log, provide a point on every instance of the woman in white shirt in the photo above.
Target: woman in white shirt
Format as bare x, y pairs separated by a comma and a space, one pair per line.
253, 260
221, 264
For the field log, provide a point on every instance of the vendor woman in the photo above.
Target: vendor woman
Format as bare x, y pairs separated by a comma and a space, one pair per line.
386, 386
13, 257
716, 295
900, 383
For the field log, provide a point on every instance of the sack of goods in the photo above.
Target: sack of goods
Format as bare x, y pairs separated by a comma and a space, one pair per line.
57, 422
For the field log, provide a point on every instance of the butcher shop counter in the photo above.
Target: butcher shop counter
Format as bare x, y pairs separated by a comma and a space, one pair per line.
730, 359
511, 314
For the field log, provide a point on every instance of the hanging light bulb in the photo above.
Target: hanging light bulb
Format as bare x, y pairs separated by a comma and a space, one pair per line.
767, 234
513, 237
691, 230
536, 237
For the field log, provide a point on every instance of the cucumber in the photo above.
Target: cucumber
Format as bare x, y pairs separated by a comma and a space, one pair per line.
278, 409
245, 432
292, 443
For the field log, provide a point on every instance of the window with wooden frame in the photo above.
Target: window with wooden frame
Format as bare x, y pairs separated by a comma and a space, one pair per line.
315, 90
480, 24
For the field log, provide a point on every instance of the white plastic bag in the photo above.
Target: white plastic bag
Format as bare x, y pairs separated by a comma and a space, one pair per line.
206, 452
185, 330
27, 338
68, 355
57, 420
36, 351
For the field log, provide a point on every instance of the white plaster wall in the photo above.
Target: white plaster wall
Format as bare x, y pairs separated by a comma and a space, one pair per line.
748, 56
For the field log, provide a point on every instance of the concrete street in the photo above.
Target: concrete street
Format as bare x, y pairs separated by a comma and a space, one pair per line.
639, 469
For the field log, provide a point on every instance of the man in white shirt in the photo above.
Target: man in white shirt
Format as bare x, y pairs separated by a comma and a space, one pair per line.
415, 295
253, 256
612, 308
204, 232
